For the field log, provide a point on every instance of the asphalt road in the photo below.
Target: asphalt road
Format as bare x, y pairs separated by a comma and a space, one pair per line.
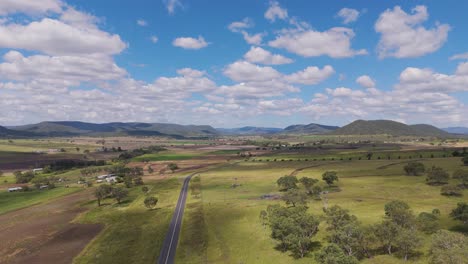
169, 247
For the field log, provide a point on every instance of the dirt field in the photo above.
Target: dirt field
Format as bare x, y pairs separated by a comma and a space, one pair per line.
44, 234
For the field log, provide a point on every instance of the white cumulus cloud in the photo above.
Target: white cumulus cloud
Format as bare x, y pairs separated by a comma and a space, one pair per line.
190, 43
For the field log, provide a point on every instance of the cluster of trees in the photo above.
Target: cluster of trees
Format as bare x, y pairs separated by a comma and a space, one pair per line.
61, 165
292, 227
107, 191
126, 155
399, 233
298, 196
439, 176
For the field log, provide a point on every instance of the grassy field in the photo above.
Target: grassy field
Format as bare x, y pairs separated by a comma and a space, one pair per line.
228, 218
18, 200
133, 233
165, 157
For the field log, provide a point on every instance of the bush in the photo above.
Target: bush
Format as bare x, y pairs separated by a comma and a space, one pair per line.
150, 202
414, 169
451, 190
437, 176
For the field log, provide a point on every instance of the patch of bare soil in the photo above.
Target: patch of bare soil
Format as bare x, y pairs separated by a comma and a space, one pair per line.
44, 233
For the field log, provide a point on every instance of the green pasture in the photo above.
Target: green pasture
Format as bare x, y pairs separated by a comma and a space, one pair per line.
164, 157
17, 200
232, 233
132, 233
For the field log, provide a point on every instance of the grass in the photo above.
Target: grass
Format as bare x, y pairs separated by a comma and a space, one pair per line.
230, 216
132, 234
164, 157
18, 200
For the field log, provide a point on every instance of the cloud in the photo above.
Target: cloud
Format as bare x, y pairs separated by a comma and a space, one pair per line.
403, 36
142, 23
172, 5
274, 12
365, 81
255, 39
335, 42
348, 15
154, 39
311, 75
56, 37
461, 56
426, 80
237, 26
190, 43
243, 71
59, 70
35, 7
259, 55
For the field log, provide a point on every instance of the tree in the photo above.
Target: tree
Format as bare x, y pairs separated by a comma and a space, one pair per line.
408, 240
308, 184
138, 181
437, 176
119, 194
150, 202
294, 196
414, 169
23, 177
427, 222
449, 248
102, 192
316, 191
330, 177
387, 233
293, 227
458, 174
465, 160
173, 167
399, 212
337, 217
150, 170
460, 213
287, 182
332, 254
451, 190
145, 189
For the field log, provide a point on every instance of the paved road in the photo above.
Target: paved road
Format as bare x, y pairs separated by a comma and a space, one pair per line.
169, 247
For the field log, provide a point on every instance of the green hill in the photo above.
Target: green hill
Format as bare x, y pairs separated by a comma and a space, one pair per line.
309, 129
388, 127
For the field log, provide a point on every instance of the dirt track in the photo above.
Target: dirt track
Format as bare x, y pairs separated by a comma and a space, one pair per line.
44, 234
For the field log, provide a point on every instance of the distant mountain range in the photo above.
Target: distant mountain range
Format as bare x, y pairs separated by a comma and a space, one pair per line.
73, 128
457, 130
377, 127
359, 127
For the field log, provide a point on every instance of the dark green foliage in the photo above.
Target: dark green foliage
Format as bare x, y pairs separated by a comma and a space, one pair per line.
387, 234
119, 194
399, 213
465, 160
23, 177
150, 202
145, 189
332, 254
451, 190
437, 176
408, 240
427, 222
287, 182
330, 177
293, 228
460, 213
449, 248
102, 192
414, 169
308, 184
173, 167
295, 197
337, 217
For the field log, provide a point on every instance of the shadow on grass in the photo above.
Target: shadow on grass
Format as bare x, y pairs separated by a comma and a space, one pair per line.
460, 228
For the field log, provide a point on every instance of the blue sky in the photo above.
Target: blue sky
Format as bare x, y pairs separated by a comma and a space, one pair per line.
229, 64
